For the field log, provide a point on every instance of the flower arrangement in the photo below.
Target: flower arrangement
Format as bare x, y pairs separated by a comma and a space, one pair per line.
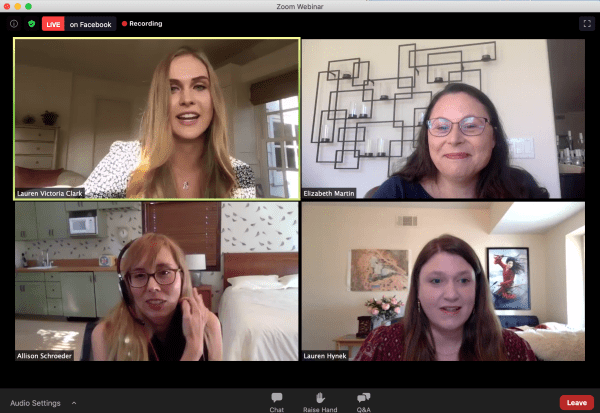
387, 307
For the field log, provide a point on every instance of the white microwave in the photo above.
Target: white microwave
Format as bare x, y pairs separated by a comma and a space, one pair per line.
83, 226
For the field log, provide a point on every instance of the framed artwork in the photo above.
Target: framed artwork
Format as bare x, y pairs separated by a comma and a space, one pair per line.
378, 270
508, 276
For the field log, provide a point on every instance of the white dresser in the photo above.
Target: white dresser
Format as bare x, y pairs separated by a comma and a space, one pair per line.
35, 146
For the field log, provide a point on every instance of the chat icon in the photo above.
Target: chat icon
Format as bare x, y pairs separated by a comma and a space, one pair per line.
276, 396
363, 397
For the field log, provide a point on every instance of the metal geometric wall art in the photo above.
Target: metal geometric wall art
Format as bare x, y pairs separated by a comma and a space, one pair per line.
358, 117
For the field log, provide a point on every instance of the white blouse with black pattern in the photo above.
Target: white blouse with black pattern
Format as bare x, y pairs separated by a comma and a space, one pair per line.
110, 177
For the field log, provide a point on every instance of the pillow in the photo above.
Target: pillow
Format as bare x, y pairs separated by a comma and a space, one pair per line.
255, 282
289, 281
35, 178
70, 178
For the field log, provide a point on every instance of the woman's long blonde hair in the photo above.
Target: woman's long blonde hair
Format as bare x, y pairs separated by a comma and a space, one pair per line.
153, 178
482, 333
125, 338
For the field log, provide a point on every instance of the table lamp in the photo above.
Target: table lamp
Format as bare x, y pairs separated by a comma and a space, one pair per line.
196, 263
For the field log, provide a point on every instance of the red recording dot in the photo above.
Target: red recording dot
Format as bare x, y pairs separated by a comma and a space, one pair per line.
6, 6
124, 23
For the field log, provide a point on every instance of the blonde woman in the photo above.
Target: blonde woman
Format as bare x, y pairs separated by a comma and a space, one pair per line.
161, 317
183, 150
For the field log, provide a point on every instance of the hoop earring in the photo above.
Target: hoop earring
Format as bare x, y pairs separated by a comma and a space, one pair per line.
419, 305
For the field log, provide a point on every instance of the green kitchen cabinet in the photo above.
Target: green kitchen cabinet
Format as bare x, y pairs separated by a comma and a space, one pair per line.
107, 292
52, 220
81, 206
30, 298
78, 298
25, 222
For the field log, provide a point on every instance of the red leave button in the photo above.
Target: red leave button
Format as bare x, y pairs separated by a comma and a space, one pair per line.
578, 402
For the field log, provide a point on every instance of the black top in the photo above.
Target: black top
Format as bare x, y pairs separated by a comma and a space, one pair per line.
399, 188
172, 349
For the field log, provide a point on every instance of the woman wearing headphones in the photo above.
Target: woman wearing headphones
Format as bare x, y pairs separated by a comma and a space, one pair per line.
161, 316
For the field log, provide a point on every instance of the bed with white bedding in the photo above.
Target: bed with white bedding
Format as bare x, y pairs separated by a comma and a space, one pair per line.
259, 306
550, 341
259, 324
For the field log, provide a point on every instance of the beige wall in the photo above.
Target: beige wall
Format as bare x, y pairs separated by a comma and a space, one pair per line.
556, 291
331, 230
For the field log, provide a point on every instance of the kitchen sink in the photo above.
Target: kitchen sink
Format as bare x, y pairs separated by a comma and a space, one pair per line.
41, 268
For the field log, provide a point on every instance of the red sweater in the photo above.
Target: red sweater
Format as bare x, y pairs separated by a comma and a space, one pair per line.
387, 344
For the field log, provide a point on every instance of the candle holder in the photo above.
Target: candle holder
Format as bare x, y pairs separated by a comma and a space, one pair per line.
353, 112
381, 147
369, 148
364, 112
325, 134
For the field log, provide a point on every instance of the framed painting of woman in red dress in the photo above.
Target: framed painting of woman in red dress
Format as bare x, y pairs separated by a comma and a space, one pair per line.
508, 275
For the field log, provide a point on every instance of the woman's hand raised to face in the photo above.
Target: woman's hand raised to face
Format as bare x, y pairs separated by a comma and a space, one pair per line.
195, 317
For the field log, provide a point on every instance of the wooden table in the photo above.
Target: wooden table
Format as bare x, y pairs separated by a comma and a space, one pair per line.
206, 292
349, 340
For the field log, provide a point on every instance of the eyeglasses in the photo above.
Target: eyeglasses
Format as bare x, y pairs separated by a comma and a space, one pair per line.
471, 126
162, 277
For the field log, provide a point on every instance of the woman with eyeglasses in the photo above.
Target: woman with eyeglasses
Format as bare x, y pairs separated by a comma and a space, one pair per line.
161, 317
461, 153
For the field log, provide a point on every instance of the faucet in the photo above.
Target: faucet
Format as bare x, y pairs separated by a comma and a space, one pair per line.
45, 260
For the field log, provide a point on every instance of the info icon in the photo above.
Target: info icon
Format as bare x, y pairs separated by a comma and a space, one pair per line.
14, 23
587, 23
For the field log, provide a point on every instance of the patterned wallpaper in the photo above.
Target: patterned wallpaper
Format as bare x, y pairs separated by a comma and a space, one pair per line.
86, 248
259, 227
254, 227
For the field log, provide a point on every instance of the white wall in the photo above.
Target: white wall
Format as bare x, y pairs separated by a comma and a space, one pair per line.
331, 230
518, 83
73, 97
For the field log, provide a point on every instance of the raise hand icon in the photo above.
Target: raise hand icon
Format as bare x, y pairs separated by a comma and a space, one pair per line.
320, 398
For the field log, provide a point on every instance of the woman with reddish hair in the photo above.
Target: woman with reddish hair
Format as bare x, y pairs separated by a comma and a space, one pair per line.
449, 313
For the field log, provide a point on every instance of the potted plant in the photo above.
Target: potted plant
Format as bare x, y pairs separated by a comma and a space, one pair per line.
49, 118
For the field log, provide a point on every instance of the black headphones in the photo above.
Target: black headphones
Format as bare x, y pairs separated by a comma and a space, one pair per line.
125, 293
122, 284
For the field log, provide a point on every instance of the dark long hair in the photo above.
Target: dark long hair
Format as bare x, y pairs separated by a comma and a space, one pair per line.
517, 267
498, 179
482, 333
